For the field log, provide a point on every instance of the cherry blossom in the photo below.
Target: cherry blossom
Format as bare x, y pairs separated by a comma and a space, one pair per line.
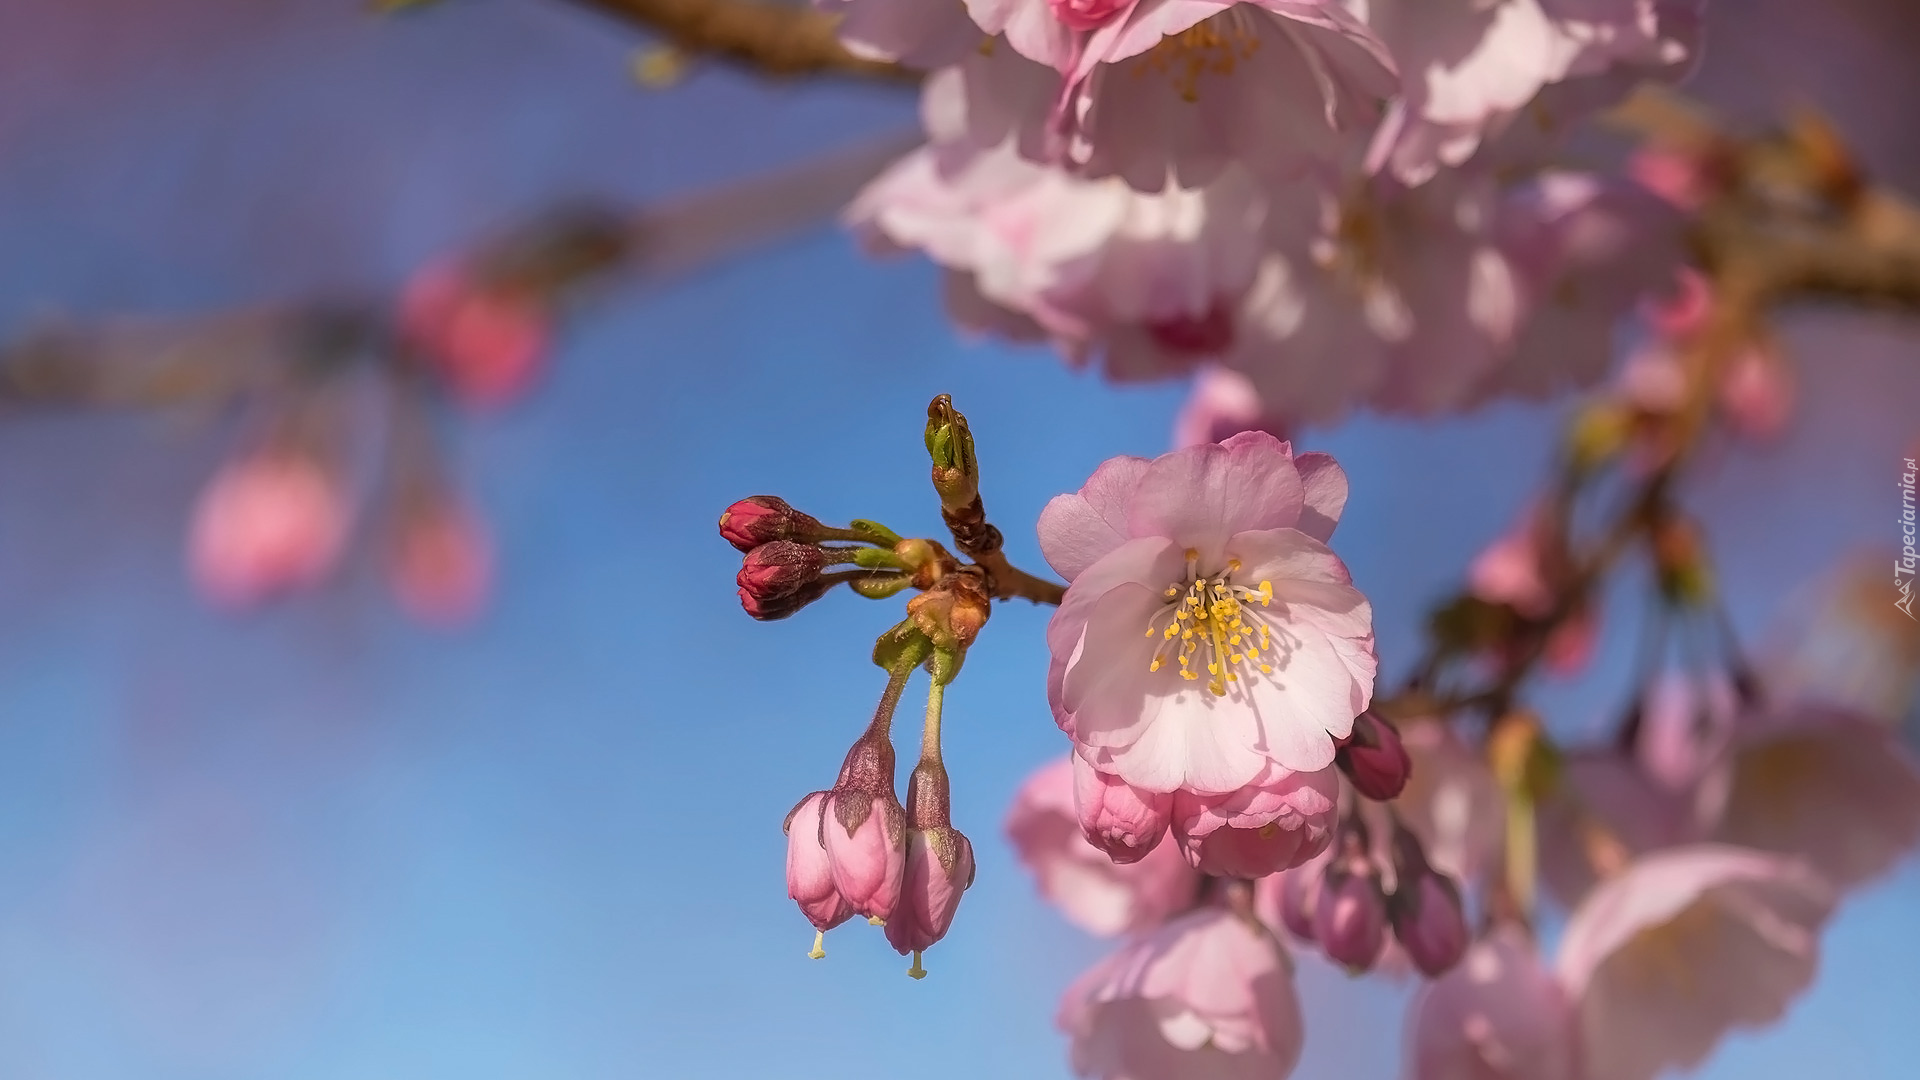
1498, 1015
1090, 889
488, 343
1208, 634
1207, 994
1685, 945
1275, 823
1223, 403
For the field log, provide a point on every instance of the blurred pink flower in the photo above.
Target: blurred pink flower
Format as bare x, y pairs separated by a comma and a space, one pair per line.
264, 525
1223, 403
1208, 635
1090, 889
1498, 1015
1757, 394
1524, 568
1207, 995
1470, 68
488, 343
1452, 802
442, 564
1275, 823
1687, 944
1829, 786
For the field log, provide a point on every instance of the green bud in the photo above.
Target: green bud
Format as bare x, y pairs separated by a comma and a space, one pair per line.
880, 586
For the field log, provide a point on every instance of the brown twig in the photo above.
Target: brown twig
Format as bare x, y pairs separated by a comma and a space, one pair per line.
780, 40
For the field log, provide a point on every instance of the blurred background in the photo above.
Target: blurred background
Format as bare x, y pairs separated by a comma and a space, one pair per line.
321, 842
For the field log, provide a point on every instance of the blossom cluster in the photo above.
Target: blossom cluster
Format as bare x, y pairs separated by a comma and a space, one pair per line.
1348, 205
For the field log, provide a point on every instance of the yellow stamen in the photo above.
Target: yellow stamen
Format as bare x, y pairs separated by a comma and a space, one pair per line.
819, 951
916, 971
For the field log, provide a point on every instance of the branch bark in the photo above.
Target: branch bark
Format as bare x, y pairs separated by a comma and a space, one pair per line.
780, 40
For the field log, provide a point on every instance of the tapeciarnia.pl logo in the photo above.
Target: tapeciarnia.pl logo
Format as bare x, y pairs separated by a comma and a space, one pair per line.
1903, 567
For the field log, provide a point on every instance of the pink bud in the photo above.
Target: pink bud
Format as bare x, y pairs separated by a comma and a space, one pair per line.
939, 868
1222, 404
1757, 394
1374, 758
1298, 889
1350, 914
762, 519
442, 565
1118, 818
264, 525
779, 569
866, 828
1429, 922
487, 342
1087, 14
809, 870
1275, 824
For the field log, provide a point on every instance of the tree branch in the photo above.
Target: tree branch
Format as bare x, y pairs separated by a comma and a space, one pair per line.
780, 40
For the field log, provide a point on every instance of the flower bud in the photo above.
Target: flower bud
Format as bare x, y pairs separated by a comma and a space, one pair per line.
809, 870
1429, 922
487, 339
763, 519
1118, 818
939, 866
1350, 912
780, 568
866, 828
441, 564
782, 606
1298, 889
1374, 758
265, 525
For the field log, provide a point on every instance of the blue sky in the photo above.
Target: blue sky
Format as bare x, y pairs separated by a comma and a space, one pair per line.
324, 844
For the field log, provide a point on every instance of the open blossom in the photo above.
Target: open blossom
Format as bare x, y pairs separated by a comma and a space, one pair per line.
1143, 281
1687, 944
1470, 68
1206, 995
1208, 635
487, 342
264, 525
1173, 91
1090, 889
1275, 823
1498, 1015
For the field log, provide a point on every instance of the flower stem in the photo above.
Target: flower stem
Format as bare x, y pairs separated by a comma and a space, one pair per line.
930, 735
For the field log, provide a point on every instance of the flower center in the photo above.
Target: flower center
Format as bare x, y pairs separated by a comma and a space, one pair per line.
1215, 45
1212, 623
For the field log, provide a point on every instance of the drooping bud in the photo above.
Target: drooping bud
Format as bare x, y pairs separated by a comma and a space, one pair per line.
810, 871
1374, 758
1118, 818
762, 519
1299, 888
779, 569
1350, 912
866, 827
782, 606
939, 866
265, 525
1425, 909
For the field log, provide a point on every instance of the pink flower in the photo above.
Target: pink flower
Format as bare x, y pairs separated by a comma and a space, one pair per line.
1119, 819
1275, 823
1604, 809
487, 342
1831, 787
809, 870
1687, 944
442, 565
1223, 404
1090, 889
1757, 394
1206, 995
264, 525
939, 865
865, 828
1498, 1015
1208, 635
1452, 802
1524, 568
1470, 68
1141, 280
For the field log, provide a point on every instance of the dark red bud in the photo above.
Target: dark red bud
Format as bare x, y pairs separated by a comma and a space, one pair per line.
1374, 758
763, 519
779, 569
779, 607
